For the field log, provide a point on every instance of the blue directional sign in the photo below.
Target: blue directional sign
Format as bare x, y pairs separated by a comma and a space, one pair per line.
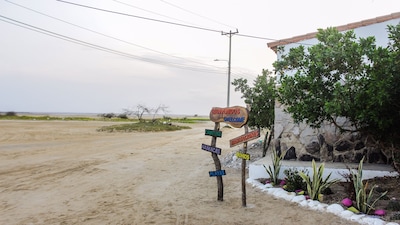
217, 173
212, 149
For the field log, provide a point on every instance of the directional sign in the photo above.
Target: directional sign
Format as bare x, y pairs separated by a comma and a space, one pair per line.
214, 133
236, 116
246, 137
243, 155
212, 149
217, 173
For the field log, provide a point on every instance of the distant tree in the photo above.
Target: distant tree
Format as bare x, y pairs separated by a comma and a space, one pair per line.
345, 77
138, 112
261, 99
159, 108
141, 109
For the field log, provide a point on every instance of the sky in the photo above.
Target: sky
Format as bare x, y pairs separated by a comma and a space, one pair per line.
101, 56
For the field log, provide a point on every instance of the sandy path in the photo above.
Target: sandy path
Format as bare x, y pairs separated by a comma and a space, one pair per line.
59, 172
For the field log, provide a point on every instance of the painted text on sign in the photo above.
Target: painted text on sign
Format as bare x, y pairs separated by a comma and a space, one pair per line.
217, 173
212, 149
243, 155
235, 116
214, 133
246, 137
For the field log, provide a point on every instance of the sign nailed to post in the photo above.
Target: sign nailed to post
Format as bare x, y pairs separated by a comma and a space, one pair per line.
212, 149
245, 137
243, 155
213, 133
235, 116
217, 173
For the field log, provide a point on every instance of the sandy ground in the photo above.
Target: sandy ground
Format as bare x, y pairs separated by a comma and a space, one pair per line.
59, 172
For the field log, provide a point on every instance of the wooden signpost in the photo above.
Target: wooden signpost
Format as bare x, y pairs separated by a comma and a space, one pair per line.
238, 122
237, 117
218, 173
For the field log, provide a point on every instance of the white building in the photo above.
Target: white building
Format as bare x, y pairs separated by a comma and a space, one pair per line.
323, 143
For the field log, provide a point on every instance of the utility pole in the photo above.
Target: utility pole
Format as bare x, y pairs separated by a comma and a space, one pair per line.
229, 61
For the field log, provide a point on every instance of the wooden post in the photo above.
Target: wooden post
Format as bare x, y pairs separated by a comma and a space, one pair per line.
217, 165
244, 204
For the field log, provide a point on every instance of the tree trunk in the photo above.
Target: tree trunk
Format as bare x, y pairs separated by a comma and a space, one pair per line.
264, 145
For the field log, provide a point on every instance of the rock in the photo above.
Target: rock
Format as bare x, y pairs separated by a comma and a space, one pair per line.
359, 145
290, 154
312, 147
307, 157
343, 145
335, 209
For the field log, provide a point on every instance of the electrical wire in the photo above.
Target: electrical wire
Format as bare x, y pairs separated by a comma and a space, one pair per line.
99, 47
173, 5
111, 37
136, 7
172, 23
140, 17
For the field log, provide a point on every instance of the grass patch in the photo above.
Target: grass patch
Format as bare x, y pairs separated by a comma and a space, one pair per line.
13, 116
142, 127
156, 125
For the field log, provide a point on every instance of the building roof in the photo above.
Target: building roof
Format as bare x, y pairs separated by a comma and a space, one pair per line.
274, 45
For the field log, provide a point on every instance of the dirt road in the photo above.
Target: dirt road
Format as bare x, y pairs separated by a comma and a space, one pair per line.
65, 172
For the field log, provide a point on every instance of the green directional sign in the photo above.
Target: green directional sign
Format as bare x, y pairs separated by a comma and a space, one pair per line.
214, 133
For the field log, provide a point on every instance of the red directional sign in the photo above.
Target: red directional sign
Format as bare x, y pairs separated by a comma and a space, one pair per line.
245, 137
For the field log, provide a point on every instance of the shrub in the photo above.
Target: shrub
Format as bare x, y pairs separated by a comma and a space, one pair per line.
273, 171
11, 113
317, 185
108, 115
123, 116
364, 199
294, 181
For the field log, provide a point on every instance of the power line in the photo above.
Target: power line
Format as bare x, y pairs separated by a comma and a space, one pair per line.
173, 5
172, 23
140, 17
108, 36
98, 47
159, 14
271, 39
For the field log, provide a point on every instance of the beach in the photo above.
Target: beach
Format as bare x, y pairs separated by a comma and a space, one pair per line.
65, 172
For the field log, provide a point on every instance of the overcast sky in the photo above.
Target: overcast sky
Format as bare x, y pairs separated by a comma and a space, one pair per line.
61, 57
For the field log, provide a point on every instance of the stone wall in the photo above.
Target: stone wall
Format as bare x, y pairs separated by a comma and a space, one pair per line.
326, 144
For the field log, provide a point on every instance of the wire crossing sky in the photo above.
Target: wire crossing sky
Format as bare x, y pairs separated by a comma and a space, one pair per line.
103, 56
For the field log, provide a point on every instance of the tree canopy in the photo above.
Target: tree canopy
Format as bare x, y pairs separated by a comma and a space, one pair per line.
343, 76
261, 99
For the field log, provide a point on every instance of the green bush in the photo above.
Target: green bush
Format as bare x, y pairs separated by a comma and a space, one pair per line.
294, 181
317, 185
